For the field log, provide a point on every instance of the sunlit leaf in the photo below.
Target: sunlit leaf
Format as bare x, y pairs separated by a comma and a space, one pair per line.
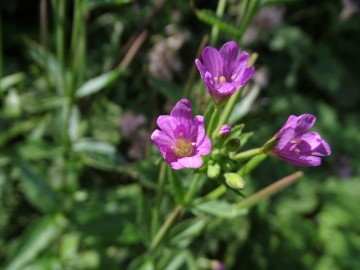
36, 239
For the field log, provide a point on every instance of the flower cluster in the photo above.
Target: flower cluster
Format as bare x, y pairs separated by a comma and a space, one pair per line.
182, 140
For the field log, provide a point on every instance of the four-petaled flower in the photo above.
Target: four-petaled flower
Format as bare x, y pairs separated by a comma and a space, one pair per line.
224, 71
295, 145
180, 139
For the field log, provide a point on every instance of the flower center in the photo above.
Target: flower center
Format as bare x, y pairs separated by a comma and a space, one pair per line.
183, 147
222, 79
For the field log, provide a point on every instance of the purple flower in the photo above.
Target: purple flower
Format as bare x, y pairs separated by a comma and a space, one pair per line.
225, 131
295, 145
180, 139
224, 71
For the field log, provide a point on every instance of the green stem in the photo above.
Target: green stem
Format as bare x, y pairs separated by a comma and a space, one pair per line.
156, 211
270, 190
59, 10
216, 193
172, 217
213, 122
229, 107
246, 154
1, 52
215, 29
165, 228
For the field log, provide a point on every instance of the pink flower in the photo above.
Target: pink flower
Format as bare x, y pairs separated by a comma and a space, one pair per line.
181, 140
224, 71
297, 146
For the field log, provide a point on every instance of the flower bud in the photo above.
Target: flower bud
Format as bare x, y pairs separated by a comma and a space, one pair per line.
224, 131
213, 170
233, 145
234, 180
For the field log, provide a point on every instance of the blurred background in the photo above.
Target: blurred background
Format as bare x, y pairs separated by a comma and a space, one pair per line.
82, 83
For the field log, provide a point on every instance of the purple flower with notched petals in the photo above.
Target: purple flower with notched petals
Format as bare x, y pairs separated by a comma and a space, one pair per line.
224, 71
295, 145
181, 140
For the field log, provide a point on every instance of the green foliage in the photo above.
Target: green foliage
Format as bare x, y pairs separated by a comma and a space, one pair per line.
81, 186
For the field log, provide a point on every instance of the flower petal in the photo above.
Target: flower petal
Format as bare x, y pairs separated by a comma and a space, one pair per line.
241, 79
305, 122
190, 162
291, 122
213, 61
229, 53
168, 124
284, 138
204, 147
322, 150
226, 89
183, 112
309, 141
161, 139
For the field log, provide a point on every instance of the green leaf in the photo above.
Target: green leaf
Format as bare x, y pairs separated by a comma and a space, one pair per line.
186, 231
210, 18
40, 103
243, 107
176, 185
47, 61
170, 90
177, 261
94, 4
37, 190
276, 2
97, 84
220, 209
98, 154
11, 80
36, 150
37, 238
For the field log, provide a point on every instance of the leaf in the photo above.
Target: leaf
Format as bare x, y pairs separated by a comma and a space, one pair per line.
11, 80
186, 231
37, 238
98, 154
46, 60
177, 261
170, 90
210, 18
176, 185
97, 84
36, 150
220, 209
243, 107
94, 4
37, 190
40, 103
276, 2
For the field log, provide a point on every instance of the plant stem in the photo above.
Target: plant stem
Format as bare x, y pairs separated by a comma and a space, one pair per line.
270, 190
229, 107
246, 154
172, 217
156, 212
165, 228
213, 122
216, 193
215, 29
